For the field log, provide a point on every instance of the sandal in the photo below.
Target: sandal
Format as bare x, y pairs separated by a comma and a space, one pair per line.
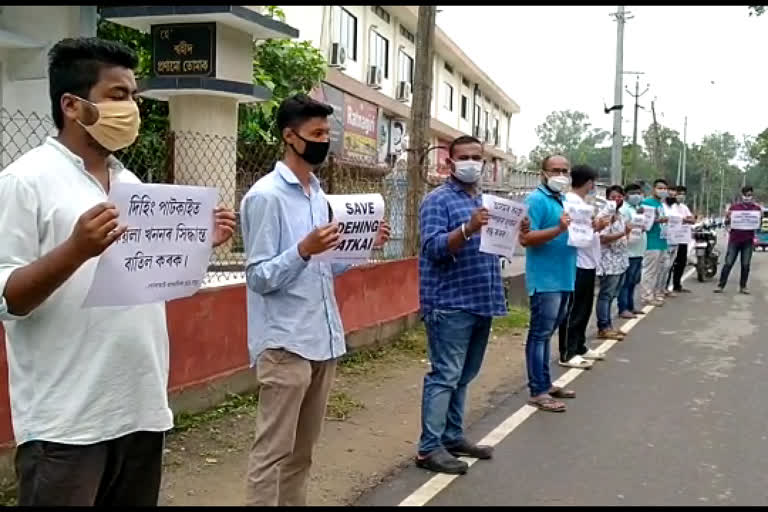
557, 392
547, 404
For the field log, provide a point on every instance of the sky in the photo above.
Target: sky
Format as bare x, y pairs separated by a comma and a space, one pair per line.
556, 58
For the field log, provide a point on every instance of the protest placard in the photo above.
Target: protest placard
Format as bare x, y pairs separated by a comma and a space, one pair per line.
638, 224
746, 220
650, 217
499, 236
675, 231
580, 231
359, 217
165, 251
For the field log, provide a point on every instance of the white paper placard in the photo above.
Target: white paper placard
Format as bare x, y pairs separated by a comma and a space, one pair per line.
165, 252
650, 217
746, 220
359, 217
580, 231
501, 233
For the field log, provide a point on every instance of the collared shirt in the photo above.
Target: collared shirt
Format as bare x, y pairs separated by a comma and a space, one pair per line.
76, 375
550, 267
291, 303
737, 236
677, 210
653, 236
614, 257
468, 280
637, 242
586, 257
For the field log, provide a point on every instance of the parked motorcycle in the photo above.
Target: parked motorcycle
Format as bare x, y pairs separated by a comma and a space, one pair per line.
707, 255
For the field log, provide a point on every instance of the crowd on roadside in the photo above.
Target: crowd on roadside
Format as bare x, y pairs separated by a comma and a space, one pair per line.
88, 386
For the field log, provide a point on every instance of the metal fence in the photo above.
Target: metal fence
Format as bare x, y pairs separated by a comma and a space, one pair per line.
233, 166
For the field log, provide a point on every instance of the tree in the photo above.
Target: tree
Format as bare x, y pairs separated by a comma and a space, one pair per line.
570, 133
667, 148
756, 10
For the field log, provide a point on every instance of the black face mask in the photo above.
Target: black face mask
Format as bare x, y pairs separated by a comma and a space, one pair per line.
671, 201
314, 152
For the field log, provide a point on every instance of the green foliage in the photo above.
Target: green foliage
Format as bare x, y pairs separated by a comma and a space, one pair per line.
570, 133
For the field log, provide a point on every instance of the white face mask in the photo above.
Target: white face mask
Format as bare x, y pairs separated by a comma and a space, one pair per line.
681, 199
558, 183
468, 171
747, 199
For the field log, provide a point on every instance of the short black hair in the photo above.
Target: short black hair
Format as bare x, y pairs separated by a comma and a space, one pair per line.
460, 141
681, 189
659, 180
633, 186
746, 189
298, 109
581, 174
75, 64
614, 188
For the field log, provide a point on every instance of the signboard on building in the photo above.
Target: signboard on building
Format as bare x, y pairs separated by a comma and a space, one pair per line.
184, 49
335, 98
398, 136
360, 130
385, 140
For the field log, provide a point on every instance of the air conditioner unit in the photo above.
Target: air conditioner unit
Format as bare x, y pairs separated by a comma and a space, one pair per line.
338, 56
375, 77
404, 91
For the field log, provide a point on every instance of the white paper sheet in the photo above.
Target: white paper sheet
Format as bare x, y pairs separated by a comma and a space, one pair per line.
359, 217
580, 232
501, 233
164, 254
746, 220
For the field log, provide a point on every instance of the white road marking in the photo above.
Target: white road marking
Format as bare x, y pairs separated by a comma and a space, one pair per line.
439, 482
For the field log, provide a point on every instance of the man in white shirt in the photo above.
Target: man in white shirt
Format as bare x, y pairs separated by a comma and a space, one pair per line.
88, 386
573, 331
681, 256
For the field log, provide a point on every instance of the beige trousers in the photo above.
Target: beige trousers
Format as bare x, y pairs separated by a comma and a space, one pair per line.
292, 401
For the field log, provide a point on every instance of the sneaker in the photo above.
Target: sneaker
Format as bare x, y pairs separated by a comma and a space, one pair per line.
610, 334
440, 461
744, 291
718, 290
577, 362
627, 315
594, 355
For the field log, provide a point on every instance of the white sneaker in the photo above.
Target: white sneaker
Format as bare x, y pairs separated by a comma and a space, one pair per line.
577, 362
594, 355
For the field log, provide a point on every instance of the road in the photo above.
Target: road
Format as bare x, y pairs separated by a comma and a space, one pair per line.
676, 415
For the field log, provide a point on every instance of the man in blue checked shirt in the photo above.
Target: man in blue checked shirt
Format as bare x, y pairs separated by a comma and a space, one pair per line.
550, 274
461, 290
295, 334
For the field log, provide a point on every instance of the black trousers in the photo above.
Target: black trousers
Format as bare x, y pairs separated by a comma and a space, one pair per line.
678, 267
573, 330
120, 472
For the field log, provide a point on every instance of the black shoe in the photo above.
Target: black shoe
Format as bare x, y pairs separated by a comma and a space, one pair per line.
440, 461
467, 449
718, 290
683, 290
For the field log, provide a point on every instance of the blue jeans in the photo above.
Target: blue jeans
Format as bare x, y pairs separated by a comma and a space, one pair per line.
456, 343
609, 289
631, 280
548, 310
744, 250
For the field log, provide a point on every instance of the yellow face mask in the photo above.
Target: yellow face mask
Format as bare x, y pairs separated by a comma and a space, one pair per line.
117, 125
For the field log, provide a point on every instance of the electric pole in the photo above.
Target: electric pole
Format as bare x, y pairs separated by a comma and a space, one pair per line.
621, 18
420, 117
685, 146
657, 151
679, 167
637, 107
722, 188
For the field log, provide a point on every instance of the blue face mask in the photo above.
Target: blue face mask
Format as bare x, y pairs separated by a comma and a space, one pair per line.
592, 192
662, 194
634, 199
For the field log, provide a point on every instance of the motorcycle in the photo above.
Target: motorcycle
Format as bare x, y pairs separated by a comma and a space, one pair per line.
707, 255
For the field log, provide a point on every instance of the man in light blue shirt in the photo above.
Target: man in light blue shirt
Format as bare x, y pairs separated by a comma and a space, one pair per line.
295, 335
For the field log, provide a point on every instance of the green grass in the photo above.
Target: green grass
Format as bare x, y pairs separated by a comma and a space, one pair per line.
410, 344
515, 321
341, 405
233, 404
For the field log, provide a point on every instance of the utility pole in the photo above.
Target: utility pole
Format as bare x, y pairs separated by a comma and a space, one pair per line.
657, 151
722, 188
420, 117
685, 147
679, 167
634, 128
621, 18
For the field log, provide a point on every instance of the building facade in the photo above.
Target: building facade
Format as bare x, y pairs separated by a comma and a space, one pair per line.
371, 54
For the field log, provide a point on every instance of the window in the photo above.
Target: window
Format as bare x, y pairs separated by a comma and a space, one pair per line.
448, 67
477, 121
348, 34
381, 13
485, 125
407, 34
448, 101
464, 107
406, 68
496, 131
380, 53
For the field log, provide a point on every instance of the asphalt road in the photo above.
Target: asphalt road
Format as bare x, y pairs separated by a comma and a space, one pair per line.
676, 415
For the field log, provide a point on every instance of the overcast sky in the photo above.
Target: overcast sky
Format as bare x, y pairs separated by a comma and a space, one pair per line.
558, 58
